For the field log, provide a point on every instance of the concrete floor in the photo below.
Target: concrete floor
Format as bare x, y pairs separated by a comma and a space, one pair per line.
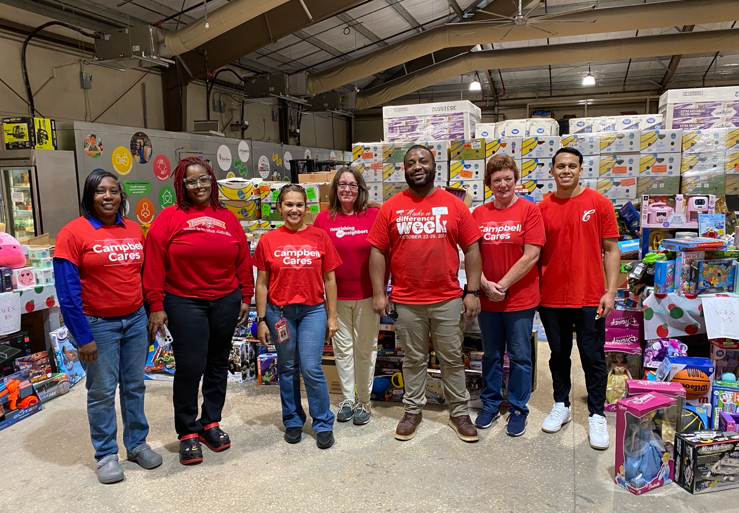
46, 463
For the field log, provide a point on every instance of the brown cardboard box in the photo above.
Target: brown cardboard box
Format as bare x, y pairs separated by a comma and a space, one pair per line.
324, 176
332, 376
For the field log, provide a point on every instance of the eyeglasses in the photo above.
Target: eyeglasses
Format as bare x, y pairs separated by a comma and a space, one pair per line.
191, 183
350, 186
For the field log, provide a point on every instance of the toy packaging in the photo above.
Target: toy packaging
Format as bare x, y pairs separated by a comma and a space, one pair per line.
695, 374
724, 398
13, 346
683, 262
267, 369
160, 364
6, 279
55, 386
664, 277
67, 359
712, 226
37, 364
623, 356
712, 276
645, 425
656, 351
707, 461
238, 361
18, 398
728, 421
675, 211
23, 278
726, 361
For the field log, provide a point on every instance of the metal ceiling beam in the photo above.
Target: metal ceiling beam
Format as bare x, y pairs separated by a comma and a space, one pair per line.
259, 32
608, 50
456, 8
352, 23
674, 61
408, 17
320, 44
606, 20
100, 20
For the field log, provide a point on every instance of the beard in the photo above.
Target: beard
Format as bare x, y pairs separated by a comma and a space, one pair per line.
427, 178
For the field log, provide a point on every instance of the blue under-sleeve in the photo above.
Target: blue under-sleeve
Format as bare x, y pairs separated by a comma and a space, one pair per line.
69, 292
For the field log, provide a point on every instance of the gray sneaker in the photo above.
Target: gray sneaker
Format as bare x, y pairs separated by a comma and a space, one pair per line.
346, 411
362, 414
145, 456
108, 470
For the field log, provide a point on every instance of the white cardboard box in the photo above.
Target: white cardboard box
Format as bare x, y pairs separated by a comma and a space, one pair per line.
510, 146
618, 188
375, 191
627, 141
536, 169
661, 141
619, 166
442, 172
465, 170
585, 143
540, 147
581, 126
439, 121
474, 188
659, 164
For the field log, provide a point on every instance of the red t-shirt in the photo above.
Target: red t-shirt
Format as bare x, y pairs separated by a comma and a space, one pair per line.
572, 259
349, 236
296, 262
109, 262
424, 234
200, 254
504, 232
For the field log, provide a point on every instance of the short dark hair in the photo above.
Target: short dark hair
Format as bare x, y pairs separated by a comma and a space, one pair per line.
291, 187
92, 182
571, 151
420, 147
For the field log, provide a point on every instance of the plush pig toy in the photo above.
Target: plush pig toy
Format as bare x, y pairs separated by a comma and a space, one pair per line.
11, 254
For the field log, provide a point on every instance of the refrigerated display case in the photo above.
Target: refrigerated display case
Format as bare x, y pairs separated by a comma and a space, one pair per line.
39, 191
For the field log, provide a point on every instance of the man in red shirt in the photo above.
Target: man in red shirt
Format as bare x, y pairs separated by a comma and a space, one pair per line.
422, 228
582, 236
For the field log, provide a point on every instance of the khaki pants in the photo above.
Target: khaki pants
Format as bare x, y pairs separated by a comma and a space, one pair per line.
355, 347
446, 324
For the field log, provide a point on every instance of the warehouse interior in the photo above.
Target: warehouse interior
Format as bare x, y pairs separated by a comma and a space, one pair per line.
317, 73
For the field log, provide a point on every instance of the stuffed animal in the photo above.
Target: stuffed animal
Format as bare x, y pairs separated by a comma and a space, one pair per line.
11, 254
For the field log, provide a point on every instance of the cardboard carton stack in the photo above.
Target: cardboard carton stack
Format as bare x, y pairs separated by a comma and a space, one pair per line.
443, 121
703, 162
701, 108
659, 161
467, 168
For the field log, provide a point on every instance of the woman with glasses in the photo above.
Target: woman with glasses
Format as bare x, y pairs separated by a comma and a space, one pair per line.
513, 234
198, 281
99, 288
347, 222
295, 268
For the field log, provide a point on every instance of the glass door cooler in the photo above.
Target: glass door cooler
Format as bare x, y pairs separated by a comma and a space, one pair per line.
19, 201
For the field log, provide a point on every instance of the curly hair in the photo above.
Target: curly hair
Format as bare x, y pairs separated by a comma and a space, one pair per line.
183, 199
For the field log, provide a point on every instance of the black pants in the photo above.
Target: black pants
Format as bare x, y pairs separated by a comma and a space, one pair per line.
201, 331
591, 339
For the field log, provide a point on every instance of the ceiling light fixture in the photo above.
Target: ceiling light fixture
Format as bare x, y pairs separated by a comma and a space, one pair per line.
205, 6
589, 79
475, 85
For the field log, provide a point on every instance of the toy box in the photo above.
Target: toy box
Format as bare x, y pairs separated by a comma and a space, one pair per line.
724, 398
664, 277
724, 360
728, 421
630, 215
18, 398
623, 356
45, 133
655, 351
625, 141
510, 146
160, 364
625, 319
619, 166
44, 276
536, 169
48, 263
66, 356
712, 276
587, 144
40, 252
658, 185
13, 346
711, 225
56, 385
618, 188
238, 361
6, 279
675, 211
540, 147
659, 164
675, 390
683, 262
466, 170
707, 461
267, 369
643, 454
23, 278
470, 149
36, 364
661, 141
695, 374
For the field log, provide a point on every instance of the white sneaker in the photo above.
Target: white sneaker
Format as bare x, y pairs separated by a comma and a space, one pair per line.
598, 432
558, 417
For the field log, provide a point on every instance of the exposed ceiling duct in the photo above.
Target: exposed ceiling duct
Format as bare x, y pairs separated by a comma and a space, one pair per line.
615, 19
620, 49
220, 21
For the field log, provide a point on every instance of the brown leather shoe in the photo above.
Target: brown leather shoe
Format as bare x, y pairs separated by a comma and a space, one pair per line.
464, 427
407, 426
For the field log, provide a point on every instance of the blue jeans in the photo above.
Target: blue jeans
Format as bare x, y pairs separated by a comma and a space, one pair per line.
301, 354
511, 330
122, 344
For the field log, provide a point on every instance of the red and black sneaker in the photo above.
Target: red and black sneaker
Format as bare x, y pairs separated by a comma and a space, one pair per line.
190, 451
215, 438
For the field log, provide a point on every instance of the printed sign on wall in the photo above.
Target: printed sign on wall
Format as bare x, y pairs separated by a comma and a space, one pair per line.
244, 151
141, 147
122, 160
145, 211
162, 167
93, 146
166, 196
224, 157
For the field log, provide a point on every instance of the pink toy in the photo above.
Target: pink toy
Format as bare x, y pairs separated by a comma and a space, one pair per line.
697, 205
624, 362
728, 421
659, 212
11, 254
628, 319
644, 386
643, 457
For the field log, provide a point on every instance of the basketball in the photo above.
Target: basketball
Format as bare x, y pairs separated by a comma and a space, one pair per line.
696, 382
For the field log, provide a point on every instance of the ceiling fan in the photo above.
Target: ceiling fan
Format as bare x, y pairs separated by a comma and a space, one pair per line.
519, 19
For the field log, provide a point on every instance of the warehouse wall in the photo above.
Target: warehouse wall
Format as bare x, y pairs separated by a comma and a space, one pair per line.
62, 98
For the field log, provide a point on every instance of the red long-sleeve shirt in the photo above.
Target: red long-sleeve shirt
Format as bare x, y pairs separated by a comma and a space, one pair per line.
201, 254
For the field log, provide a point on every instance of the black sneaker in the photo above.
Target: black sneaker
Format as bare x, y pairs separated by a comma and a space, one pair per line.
215, 438
190, 451
293, 435
325, 439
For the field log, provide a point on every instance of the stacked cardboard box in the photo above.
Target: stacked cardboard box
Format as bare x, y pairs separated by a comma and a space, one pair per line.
467, 167
616, 123
532, 127
442, 121
701, 108
659, 161
703, 162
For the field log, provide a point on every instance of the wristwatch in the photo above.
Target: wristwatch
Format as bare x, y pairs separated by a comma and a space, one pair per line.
261, 319
475, 293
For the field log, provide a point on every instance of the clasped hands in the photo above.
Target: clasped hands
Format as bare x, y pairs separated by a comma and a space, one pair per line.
493, 291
